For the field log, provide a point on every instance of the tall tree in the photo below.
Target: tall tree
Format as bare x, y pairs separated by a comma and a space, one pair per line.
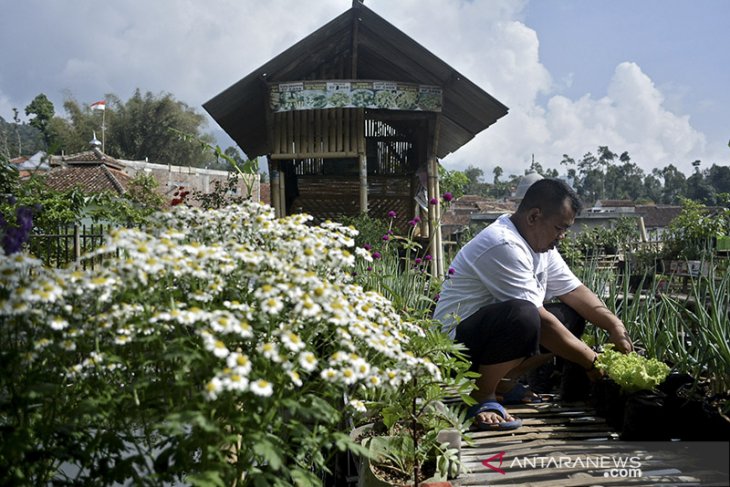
474, 175
675, 185
719, 178
700, 189
41, 108
497, 171
144, 126
653, 187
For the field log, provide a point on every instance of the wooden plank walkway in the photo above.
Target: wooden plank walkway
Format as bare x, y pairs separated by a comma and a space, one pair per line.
573, 433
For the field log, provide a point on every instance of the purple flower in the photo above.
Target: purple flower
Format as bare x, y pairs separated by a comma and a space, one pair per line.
367, 246
452, 271
448, 197
433, 201
369, 268
392, 214
15, 236
418, 260
412, 223
427, 258
376, 255
386, 237
437, 297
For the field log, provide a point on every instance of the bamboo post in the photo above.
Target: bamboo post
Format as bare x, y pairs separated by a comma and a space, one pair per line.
437, 262
363, 184
282, 189
274, 172
438, 244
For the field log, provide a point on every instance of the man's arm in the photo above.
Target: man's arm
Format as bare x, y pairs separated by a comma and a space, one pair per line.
558, 339
590, 307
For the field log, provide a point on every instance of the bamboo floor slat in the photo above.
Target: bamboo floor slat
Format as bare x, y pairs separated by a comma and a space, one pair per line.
570, 431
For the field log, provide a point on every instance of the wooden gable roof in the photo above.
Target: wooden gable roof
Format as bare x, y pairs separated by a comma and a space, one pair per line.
358, 44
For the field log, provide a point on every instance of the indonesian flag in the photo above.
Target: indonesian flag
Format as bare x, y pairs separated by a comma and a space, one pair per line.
99, 105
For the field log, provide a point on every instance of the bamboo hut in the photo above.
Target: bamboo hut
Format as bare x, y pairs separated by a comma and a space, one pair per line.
353, 119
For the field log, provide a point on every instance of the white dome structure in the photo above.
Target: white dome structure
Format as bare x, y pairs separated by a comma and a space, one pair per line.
525, 183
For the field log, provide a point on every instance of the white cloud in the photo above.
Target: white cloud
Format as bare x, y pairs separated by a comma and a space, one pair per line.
194, 50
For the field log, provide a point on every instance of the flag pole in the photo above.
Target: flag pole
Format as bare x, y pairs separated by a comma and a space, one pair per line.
103, 130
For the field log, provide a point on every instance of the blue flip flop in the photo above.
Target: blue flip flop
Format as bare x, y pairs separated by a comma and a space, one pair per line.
517, 395
495, 407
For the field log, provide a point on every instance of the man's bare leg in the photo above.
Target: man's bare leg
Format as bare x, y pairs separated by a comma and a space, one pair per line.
490, 376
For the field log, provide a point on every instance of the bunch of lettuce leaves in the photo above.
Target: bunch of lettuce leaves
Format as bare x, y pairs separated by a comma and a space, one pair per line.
631, 371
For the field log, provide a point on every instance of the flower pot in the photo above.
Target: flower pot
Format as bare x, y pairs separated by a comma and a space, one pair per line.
645, 417
370, 475
609, 401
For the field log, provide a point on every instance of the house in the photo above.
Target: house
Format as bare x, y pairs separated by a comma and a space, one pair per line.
29, 165
90, 171
93, 171
173, 179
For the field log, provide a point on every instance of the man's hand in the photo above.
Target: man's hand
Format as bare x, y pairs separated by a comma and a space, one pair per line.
621, 340
590, 307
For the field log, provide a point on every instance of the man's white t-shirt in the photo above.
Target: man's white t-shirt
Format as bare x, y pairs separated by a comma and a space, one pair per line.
499, 265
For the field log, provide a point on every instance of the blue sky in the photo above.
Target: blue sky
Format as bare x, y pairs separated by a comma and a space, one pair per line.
649, 77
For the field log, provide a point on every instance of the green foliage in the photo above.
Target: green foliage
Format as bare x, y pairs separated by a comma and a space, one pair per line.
140, 128
8, 177
17, 139
42, 110
691, 234
631, 371
217, 349
454, 182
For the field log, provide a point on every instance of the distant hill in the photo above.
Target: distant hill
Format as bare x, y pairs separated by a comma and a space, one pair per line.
31, 139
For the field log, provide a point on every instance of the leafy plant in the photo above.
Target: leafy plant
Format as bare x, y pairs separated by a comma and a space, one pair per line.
631, 371
692, 233
217, 349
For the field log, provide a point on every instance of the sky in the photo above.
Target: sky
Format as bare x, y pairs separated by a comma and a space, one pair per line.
647, 77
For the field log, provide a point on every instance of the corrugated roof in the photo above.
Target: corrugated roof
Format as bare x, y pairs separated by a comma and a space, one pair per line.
383, 53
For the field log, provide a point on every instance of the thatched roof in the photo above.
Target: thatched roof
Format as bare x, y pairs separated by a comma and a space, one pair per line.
382, 52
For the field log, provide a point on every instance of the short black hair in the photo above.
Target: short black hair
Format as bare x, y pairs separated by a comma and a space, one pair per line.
549, 195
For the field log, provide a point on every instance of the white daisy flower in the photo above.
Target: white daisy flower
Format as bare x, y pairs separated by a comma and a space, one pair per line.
213, 388
308, 361
295, 378
270, 351
58, 323
219, 349
358, 405
329, 374
292, 341
261, 388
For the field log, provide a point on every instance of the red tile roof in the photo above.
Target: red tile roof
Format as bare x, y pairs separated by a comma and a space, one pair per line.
89, 179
